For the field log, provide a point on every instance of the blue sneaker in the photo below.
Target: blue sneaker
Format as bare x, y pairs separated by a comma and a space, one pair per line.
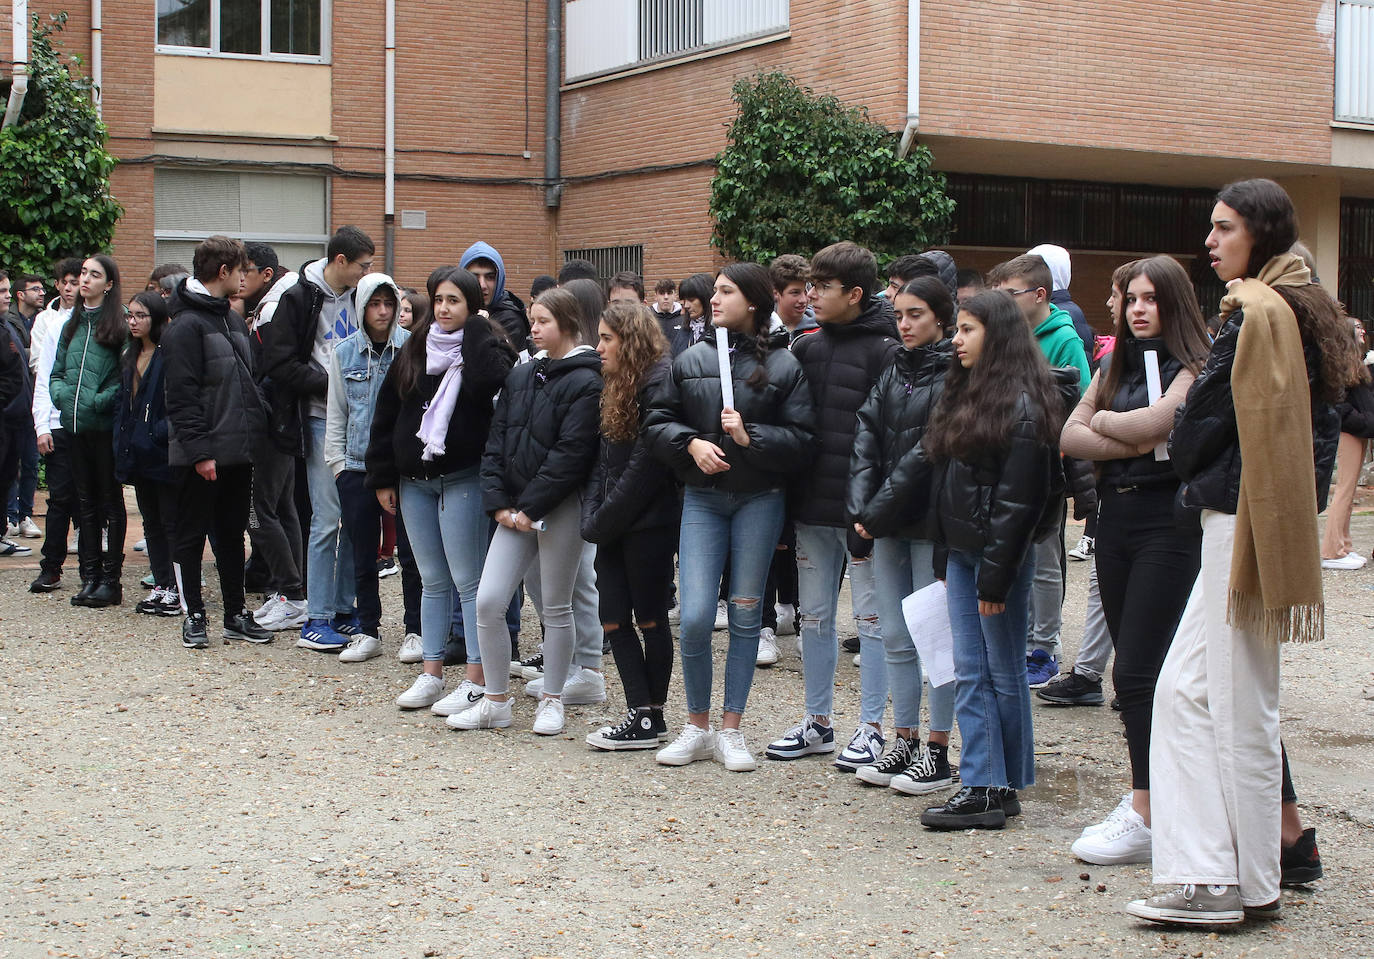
347, 625
319, 635
1041, 667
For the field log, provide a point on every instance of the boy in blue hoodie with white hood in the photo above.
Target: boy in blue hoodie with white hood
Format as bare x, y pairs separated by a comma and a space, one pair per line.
503, 306
312, 318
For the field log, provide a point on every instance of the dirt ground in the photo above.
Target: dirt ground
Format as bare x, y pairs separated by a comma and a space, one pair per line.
271, 801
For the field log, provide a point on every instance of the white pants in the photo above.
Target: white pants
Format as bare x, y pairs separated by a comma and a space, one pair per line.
1215, 768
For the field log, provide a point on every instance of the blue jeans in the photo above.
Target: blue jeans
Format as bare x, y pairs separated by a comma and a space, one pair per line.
901, 567
22, 489
715, 525
448, 535
329, 583
821, 555
991, 697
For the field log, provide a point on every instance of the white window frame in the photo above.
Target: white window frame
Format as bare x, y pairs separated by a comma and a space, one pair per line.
326, 31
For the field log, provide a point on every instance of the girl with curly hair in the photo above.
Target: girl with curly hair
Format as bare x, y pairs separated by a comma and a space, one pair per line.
630, 511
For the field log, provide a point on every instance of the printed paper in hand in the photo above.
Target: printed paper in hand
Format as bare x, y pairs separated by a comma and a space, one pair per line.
927, 621
1153, 391
727, 385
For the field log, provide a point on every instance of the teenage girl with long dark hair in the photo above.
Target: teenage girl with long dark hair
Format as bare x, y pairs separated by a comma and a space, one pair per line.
997, 488
1254, 444
83, 386
631, 513
735, 461
1146, 560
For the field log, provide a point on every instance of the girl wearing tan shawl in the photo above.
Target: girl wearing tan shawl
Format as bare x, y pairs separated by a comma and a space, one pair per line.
1243, 445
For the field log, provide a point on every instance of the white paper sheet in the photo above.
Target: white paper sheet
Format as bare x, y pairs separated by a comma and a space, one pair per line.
926, 612
1153, 391
727, 385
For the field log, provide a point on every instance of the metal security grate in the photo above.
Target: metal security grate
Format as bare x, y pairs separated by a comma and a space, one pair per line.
1355, 283
611, 260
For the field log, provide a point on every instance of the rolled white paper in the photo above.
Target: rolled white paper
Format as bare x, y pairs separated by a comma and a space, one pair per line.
727, 385
1153, 391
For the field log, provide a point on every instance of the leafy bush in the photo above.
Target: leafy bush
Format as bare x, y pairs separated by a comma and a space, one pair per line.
803, 171
54, 168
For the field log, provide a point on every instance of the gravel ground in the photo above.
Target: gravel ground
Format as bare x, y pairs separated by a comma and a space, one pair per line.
272, 801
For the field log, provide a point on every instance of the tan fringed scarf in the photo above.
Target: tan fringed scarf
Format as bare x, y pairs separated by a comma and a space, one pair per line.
1276, 584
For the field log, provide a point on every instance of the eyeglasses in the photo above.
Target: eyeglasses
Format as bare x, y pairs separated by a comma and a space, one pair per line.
825, 287
136, 315
1031, 289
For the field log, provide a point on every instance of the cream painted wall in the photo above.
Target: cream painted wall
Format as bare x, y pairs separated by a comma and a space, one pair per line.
1318, 202
227, 96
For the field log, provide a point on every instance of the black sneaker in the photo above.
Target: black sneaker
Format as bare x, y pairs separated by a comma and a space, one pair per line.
896, 761
193, 633
1116, 703
850, 644
660, 724
1011, 803
532, 667
973, 807
387, 567
1300, 863
46, 582
635, 731
1072, 689
243, 626
171, 603
929, 771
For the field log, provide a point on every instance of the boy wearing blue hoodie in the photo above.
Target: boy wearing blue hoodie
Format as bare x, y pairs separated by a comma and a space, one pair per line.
312, 318
503, 306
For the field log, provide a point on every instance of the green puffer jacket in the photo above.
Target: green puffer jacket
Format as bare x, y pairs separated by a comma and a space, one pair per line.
85, 379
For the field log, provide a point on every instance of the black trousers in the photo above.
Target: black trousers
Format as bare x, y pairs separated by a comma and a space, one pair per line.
361, 515
781, 585
276, 536
158, 504
100, 499
220, 506
633, 577
1146, 566
410, 577
62, 505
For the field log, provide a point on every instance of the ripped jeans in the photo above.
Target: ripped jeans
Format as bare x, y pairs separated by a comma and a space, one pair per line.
716, 524
821, 555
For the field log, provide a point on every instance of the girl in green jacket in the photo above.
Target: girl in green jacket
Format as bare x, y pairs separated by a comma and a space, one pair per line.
83, 385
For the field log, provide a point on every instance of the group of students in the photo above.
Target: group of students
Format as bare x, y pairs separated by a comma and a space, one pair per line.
773, 428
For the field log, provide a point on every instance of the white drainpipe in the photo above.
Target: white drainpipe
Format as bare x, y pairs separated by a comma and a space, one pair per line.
95, 54
389, 211
913, 76
20, 30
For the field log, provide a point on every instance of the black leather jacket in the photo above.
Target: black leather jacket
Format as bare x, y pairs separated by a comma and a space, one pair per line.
1205, 447
778, 416
889, 472
999, 504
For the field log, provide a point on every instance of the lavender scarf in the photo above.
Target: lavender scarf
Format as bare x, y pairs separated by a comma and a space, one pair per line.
443, 354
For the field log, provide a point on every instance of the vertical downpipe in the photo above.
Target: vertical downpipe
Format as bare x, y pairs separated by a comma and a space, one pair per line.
389, 212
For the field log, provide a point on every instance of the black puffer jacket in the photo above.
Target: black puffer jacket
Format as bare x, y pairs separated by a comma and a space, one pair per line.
288, 376
889, 473
1205, 447
1133, 394
999, 504
140, 423
630, 489
510, 312
215, 410
841, 362
1357, 411
394, 449
544, 435
778, 416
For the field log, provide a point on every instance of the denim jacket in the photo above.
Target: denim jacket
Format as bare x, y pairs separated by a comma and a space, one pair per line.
356, 371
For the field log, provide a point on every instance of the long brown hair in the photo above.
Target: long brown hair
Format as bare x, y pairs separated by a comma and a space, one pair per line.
642, 344
1182, 327
1323, 324
977, 411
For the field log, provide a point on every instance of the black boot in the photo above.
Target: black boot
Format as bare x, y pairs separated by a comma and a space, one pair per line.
107, 593
90, 579
973, 807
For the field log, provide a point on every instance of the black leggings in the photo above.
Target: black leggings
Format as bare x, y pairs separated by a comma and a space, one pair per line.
781, 585
1146, 567
100, 499
157, 502
633, 576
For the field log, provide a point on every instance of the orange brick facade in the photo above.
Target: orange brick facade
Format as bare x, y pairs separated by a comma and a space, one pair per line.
1056, 88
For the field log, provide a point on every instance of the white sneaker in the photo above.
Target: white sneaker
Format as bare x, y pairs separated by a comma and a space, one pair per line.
141, 546
722, 616
692, 744
486, 714
768, 648
865, 748
675, 614
267, 604
1127, 840
548, 717
583, 687
29, 529
412, 649
425, 691
787, 619
856, 658
464, 697
1348, 561
732, 752
517, 670
283, 615
360, 649
1113, 817
12, 531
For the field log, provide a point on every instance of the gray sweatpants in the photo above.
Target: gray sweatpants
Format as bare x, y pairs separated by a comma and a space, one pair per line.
1097, 639
586, 608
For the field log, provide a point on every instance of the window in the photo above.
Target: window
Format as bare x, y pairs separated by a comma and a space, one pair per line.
289, 212
276, 29
611, 260
605, 36
1354, 52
